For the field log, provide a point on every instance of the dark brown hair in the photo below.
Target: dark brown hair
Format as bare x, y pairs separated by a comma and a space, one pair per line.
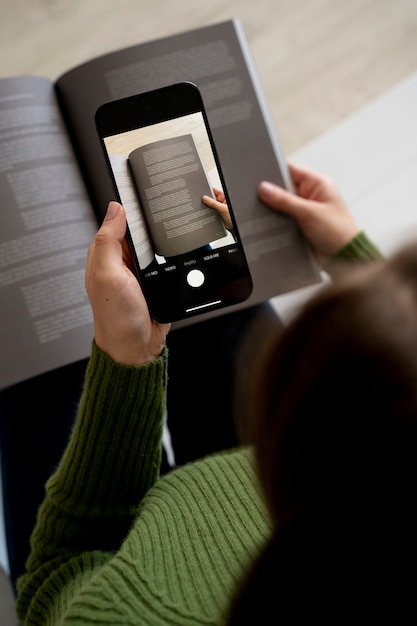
333, 402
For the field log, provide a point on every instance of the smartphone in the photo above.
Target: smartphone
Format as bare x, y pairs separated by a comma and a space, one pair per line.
188, 257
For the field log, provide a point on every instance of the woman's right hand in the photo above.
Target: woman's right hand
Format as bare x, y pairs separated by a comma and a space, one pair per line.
219, 204
317, 206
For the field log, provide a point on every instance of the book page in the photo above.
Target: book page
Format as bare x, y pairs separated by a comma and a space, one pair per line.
46, 225
134, 215
171, 180
218, 60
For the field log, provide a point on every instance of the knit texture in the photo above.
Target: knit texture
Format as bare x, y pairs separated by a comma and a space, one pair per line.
358, 249
117, 544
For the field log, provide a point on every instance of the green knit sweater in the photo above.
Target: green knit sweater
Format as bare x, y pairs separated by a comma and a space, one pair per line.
117, 544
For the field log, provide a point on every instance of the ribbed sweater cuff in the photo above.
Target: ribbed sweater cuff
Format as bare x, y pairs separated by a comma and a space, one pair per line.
360, 248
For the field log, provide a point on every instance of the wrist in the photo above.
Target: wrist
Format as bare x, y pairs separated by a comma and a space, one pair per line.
129, 355
129, 352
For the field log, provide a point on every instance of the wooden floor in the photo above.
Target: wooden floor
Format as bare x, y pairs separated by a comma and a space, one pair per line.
319, 60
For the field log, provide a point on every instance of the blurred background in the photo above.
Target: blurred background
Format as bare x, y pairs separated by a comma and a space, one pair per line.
319, 60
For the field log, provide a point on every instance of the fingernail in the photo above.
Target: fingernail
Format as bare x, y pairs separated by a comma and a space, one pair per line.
112, 210
266, 188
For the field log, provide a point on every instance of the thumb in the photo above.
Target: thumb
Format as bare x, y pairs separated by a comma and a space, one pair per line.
112, 210
113, 228
115, 213
107, 245
282, 200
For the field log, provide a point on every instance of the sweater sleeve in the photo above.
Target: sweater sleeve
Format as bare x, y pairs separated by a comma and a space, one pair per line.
360, 249
112, 459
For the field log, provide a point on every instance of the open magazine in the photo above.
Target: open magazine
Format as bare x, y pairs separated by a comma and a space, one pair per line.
55, 186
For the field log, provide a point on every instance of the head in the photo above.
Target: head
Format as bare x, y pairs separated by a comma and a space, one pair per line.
334, 399
333, 403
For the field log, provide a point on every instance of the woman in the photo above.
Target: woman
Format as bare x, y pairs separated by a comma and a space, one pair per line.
114, 542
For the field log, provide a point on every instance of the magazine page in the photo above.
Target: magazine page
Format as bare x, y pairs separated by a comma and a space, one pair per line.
217, 59
46, 225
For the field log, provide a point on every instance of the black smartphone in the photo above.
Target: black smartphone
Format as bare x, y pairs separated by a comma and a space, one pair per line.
188, 256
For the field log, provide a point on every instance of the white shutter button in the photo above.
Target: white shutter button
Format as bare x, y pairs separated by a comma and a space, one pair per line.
195, 278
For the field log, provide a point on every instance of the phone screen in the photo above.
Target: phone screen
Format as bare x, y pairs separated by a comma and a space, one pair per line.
188, 255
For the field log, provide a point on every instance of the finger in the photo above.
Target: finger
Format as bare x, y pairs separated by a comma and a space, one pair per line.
212, 203
282, 200
299, 172
310, 184
108, 241
219, 194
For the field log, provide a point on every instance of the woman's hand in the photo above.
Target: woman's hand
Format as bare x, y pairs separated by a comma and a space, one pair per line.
318, 208
219, 204
123, 326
